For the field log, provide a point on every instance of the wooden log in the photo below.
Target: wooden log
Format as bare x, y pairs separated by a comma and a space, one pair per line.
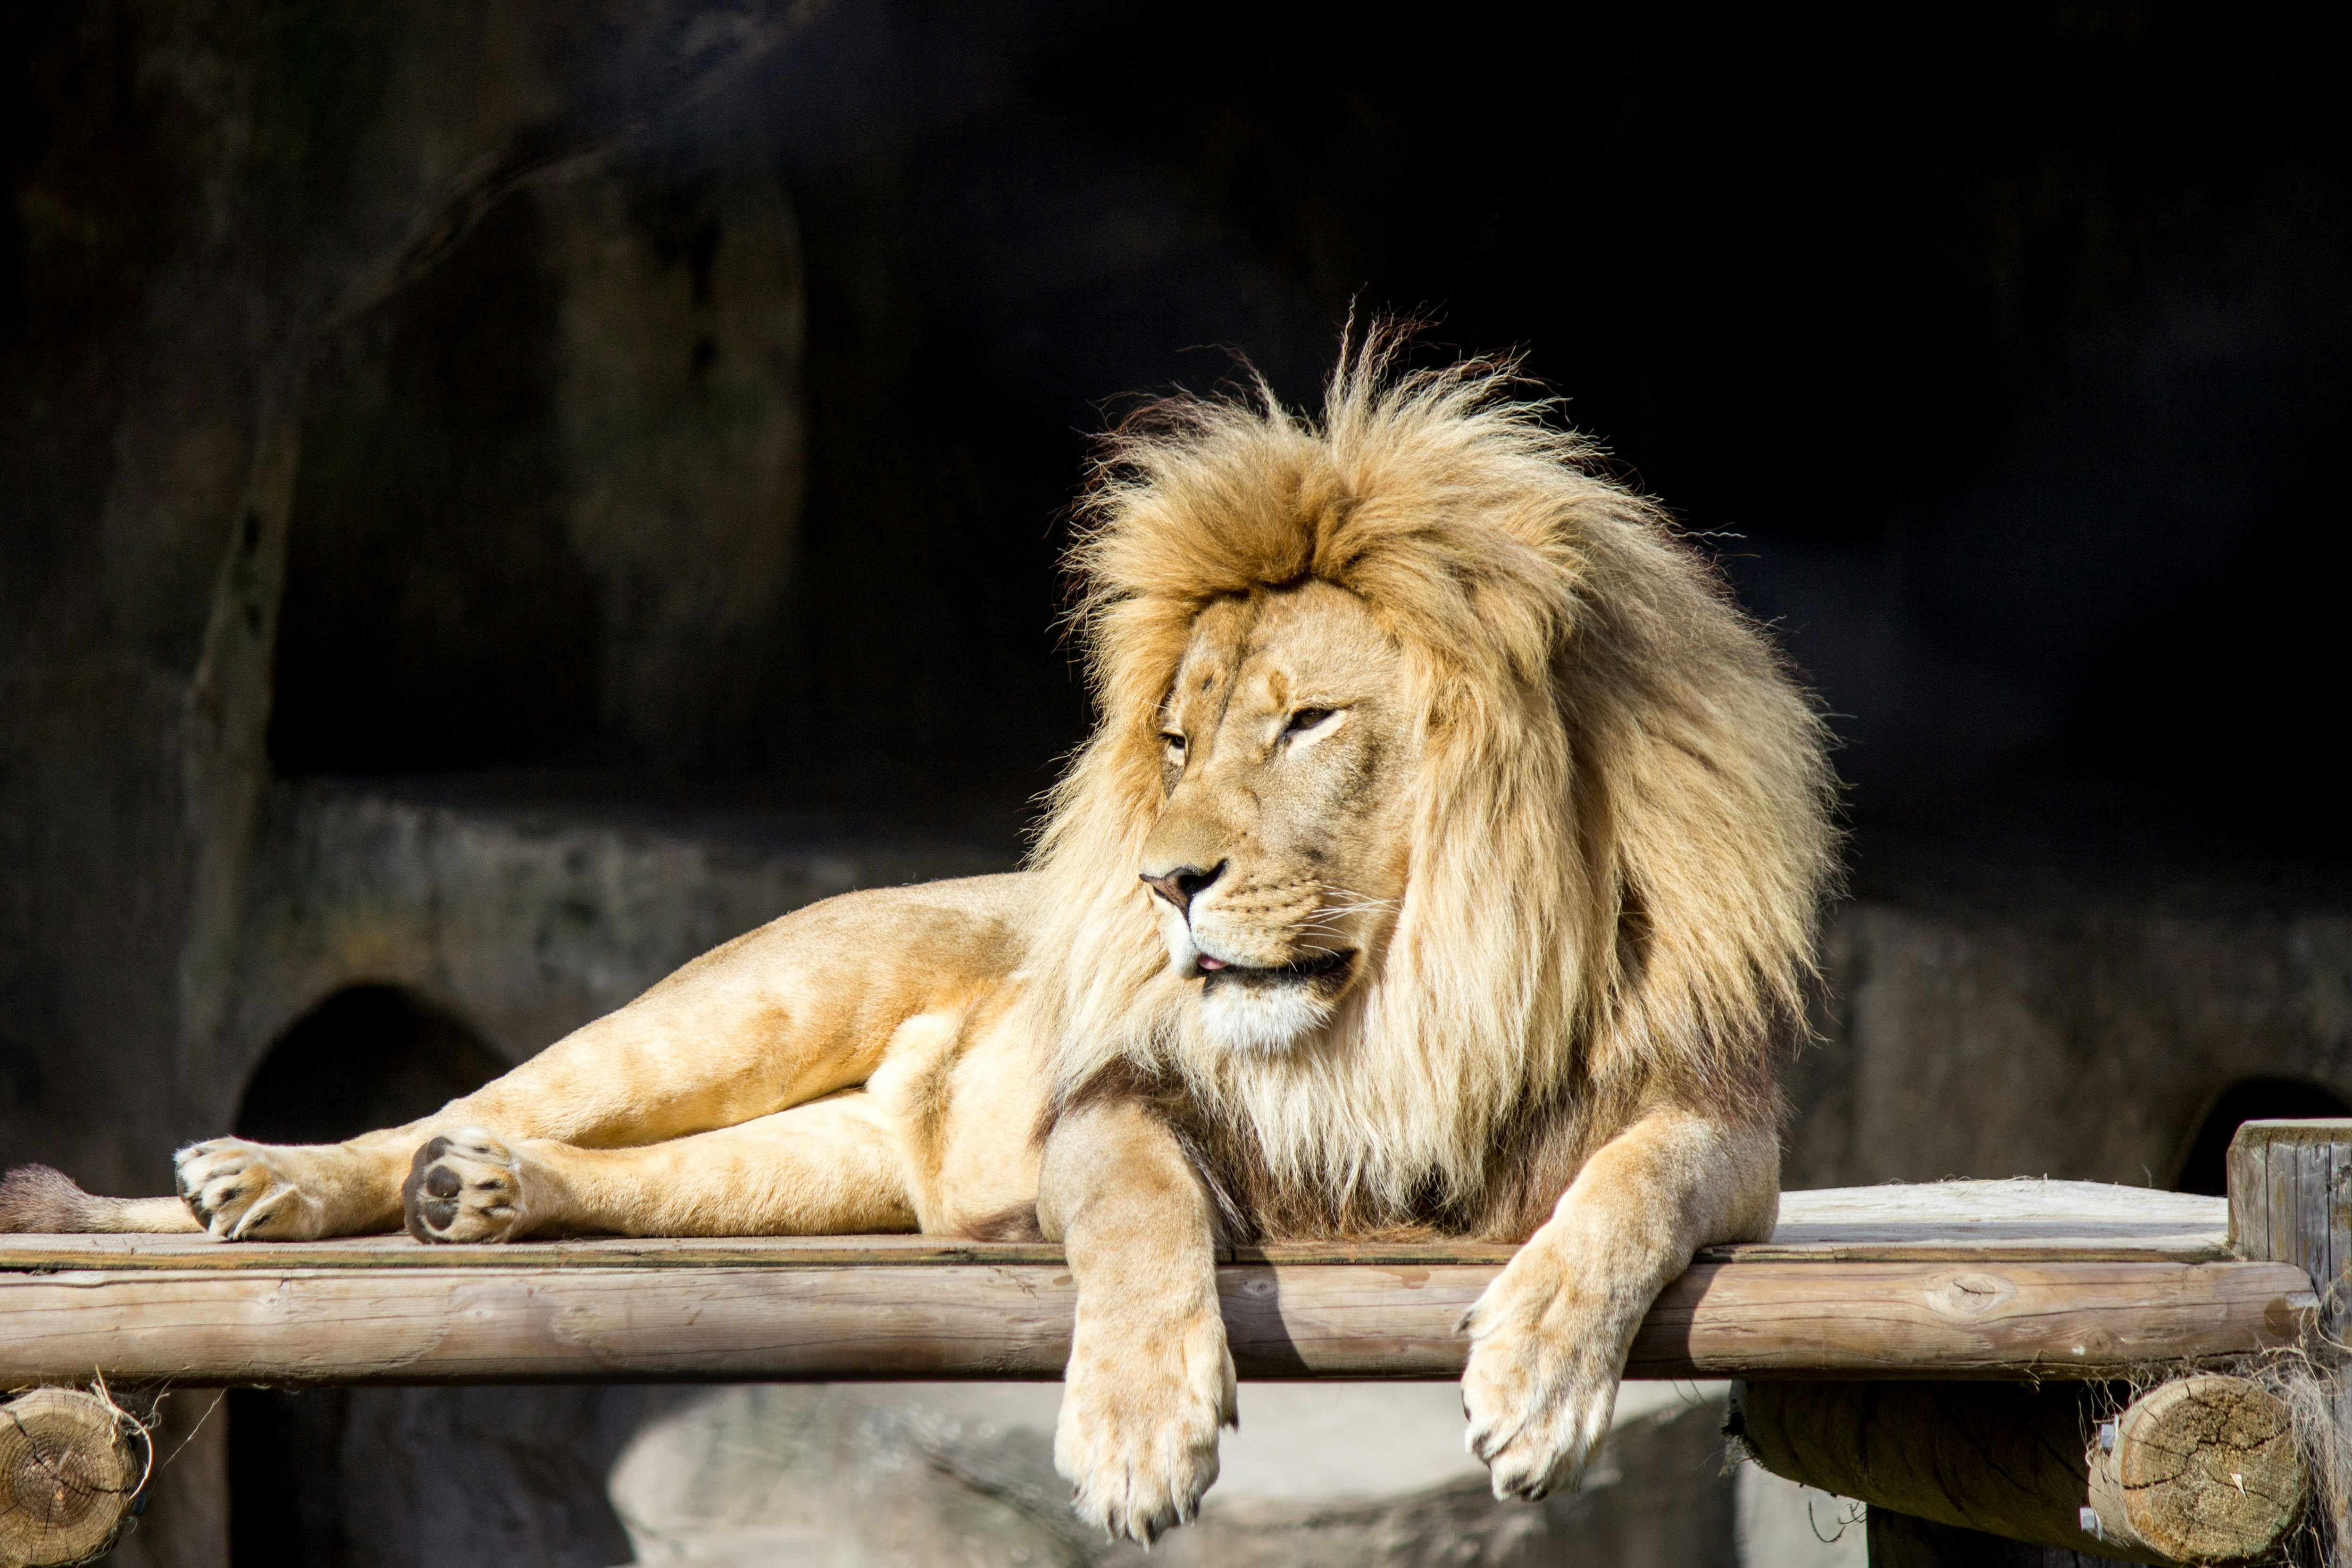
2204, 1469
2290, 1202
69, 1468
2199, 1469
2066, 1320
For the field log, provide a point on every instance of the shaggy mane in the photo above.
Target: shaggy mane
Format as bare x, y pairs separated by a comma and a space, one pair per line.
1621, 825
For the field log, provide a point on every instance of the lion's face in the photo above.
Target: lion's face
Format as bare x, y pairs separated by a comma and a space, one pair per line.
1278, 859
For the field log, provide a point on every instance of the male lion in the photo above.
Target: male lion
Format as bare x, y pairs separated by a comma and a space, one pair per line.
1446, 863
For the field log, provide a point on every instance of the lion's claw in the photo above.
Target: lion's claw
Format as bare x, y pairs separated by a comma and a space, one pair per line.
1539, 1388
1138, 1432
241, 1191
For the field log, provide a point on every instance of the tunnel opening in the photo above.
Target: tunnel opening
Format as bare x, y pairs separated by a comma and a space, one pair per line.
2204, 1166
329, 1477
367, 1057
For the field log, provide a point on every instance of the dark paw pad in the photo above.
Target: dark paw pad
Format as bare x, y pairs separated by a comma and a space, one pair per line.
425, 1197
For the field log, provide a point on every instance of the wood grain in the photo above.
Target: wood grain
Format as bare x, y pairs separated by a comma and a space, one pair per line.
2200, 1470
967, 1320
70, 1465
2290, 1202
2011, 1221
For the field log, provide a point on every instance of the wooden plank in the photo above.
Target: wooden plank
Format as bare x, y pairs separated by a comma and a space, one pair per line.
2066, 1320
53, 1254
1936, 1222
2014, 1220
2284, 1201
2248, 1166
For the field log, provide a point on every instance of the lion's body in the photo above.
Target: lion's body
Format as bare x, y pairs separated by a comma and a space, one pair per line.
1480, 843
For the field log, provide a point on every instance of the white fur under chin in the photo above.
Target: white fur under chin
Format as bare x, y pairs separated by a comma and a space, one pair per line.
1242, 1016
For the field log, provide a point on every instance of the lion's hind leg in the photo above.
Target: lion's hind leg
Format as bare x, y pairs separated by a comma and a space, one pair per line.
834, 1166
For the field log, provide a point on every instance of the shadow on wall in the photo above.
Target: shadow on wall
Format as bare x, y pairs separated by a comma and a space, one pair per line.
352, 1478
2204, 1168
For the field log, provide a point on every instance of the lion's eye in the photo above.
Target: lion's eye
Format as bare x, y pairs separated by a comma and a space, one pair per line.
1305, 719
1173, 742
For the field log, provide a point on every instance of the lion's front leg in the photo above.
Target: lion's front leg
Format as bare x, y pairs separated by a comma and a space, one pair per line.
1149, 1378
1550, 1336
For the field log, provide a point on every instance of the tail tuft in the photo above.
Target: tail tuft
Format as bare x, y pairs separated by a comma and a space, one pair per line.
42, 1200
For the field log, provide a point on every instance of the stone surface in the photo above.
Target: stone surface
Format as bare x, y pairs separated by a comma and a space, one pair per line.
526, 908
1782, 1524
1333, 1474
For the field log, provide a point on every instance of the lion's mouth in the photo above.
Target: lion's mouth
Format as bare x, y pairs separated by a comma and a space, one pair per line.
1315, 966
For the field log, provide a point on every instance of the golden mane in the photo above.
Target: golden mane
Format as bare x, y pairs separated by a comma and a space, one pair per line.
1622, 828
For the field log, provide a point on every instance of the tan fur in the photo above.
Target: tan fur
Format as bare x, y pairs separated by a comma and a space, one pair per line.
1619, 828
1446, 862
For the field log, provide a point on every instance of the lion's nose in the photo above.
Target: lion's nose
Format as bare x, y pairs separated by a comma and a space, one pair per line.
1180, 885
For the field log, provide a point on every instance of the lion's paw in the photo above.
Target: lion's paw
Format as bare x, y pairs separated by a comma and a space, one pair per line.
1136, 1438
241, 1191
465, 1185
1540, 1387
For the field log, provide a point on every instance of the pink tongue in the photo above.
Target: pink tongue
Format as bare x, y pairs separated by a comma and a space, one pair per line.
1208, 963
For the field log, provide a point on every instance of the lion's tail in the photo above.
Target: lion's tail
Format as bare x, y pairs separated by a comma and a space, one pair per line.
39, 1199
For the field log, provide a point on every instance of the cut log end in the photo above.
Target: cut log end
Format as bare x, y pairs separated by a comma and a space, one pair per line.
2202, 1469
69, 1471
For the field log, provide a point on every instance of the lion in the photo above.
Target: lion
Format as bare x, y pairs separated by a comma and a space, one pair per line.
1446, 863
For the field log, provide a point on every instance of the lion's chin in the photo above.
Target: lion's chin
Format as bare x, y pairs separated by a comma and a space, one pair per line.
1265, 1018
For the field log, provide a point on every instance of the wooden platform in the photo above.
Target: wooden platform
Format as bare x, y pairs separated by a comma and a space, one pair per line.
1954, 1280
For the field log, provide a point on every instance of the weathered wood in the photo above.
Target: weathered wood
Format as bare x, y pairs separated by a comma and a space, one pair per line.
2012, 1221
69, 1467
2008, 1220
2290, 1202
2200, 1469
2064, 1319
2204, 1469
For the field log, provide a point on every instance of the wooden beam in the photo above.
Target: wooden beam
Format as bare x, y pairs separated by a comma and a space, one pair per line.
954, 1320
2204, 1469
2023, 1221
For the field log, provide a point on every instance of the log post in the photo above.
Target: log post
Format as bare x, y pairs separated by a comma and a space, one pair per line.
71, 1467
2290, 1202
2202, 1469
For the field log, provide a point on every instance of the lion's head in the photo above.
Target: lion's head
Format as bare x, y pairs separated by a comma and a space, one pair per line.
1279, 857
1437, 783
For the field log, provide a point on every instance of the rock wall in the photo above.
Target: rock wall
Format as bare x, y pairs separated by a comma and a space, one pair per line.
2006, 1008
1329, 1474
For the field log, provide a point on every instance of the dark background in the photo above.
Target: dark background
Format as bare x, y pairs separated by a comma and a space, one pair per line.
2002, 357
418, 419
